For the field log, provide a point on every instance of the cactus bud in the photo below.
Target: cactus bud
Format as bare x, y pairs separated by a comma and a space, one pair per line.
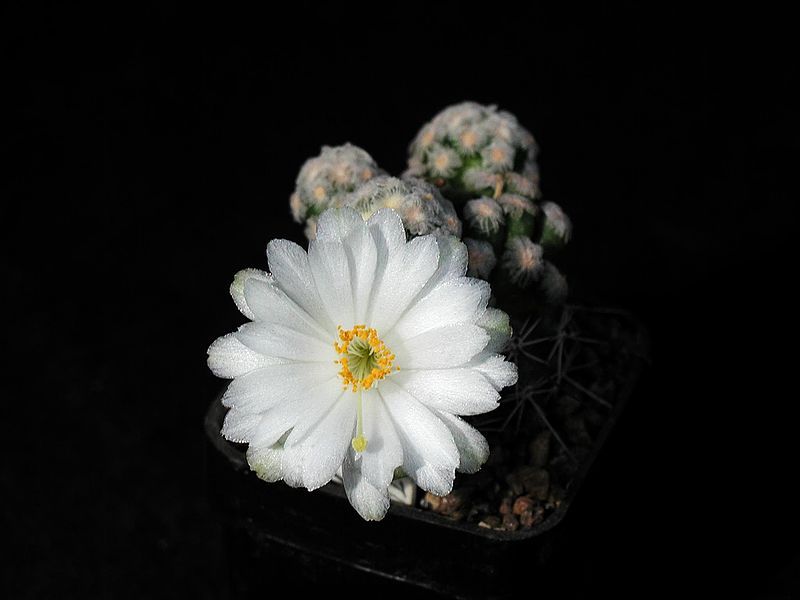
325, 180
556, 227
522, 261
481, 258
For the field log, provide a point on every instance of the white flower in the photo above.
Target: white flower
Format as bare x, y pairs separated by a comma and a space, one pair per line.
361, 356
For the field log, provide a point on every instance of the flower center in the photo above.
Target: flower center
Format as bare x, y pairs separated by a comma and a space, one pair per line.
364, 359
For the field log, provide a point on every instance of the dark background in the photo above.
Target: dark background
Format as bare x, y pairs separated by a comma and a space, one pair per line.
149, 154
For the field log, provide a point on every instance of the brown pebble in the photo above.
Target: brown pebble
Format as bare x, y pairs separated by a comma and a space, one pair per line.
432, 501
535, 481
529, 518
539, 449
446, 505
505, 505
491, 522
526, 519
522, 504
510, 523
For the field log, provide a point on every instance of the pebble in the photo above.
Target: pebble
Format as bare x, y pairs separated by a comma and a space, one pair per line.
510, 523
529, 518
491, 522
522, 504
446, 505
506, 505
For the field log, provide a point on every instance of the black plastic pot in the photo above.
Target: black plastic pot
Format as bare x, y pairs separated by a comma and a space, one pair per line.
273, 528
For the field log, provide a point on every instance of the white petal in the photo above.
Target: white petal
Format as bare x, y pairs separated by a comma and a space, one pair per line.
457, 391
267, 462
336, 224
403, 276
369, 501
284, 416
460, 300
314, 461
362, 256
440, 348
473, 449
500, 372
345, 225
270, 304
386, 228
239, 427
430, 456
229, 358
289, 265
453, 260
237, 288
263, 388
278, 341
331, 271
384, 452
497, 325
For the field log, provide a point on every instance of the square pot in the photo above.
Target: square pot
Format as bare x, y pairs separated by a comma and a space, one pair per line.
274, 527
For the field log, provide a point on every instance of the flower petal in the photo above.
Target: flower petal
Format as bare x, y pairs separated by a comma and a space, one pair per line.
268, 303
497, 325
453, 260
384, 452
239, 426
278, 341
440, 348
345, 225
336, 224
267, 462
500, 372
237, 288
314, 461
331, 271
386, 228
460, 300
369, 501
430, 456
473, 449
289, 265
284, 416
457, 391
403, 276
229, 358
260, 390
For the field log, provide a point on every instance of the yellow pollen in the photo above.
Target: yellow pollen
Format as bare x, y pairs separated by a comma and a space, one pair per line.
441, 161
319, 193
363, 357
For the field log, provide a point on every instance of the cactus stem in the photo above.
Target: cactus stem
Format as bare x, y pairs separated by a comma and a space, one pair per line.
498, 187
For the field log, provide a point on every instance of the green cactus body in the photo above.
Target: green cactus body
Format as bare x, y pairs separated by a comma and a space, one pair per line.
485, 162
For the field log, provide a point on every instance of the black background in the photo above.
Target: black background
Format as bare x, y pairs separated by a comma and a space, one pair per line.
149, 154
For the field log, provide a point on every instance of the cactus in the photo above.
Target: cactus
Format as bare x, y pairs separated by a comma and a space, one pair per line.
325, 181
420, 205
484, 161
471, 163
348, 176
470, 150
